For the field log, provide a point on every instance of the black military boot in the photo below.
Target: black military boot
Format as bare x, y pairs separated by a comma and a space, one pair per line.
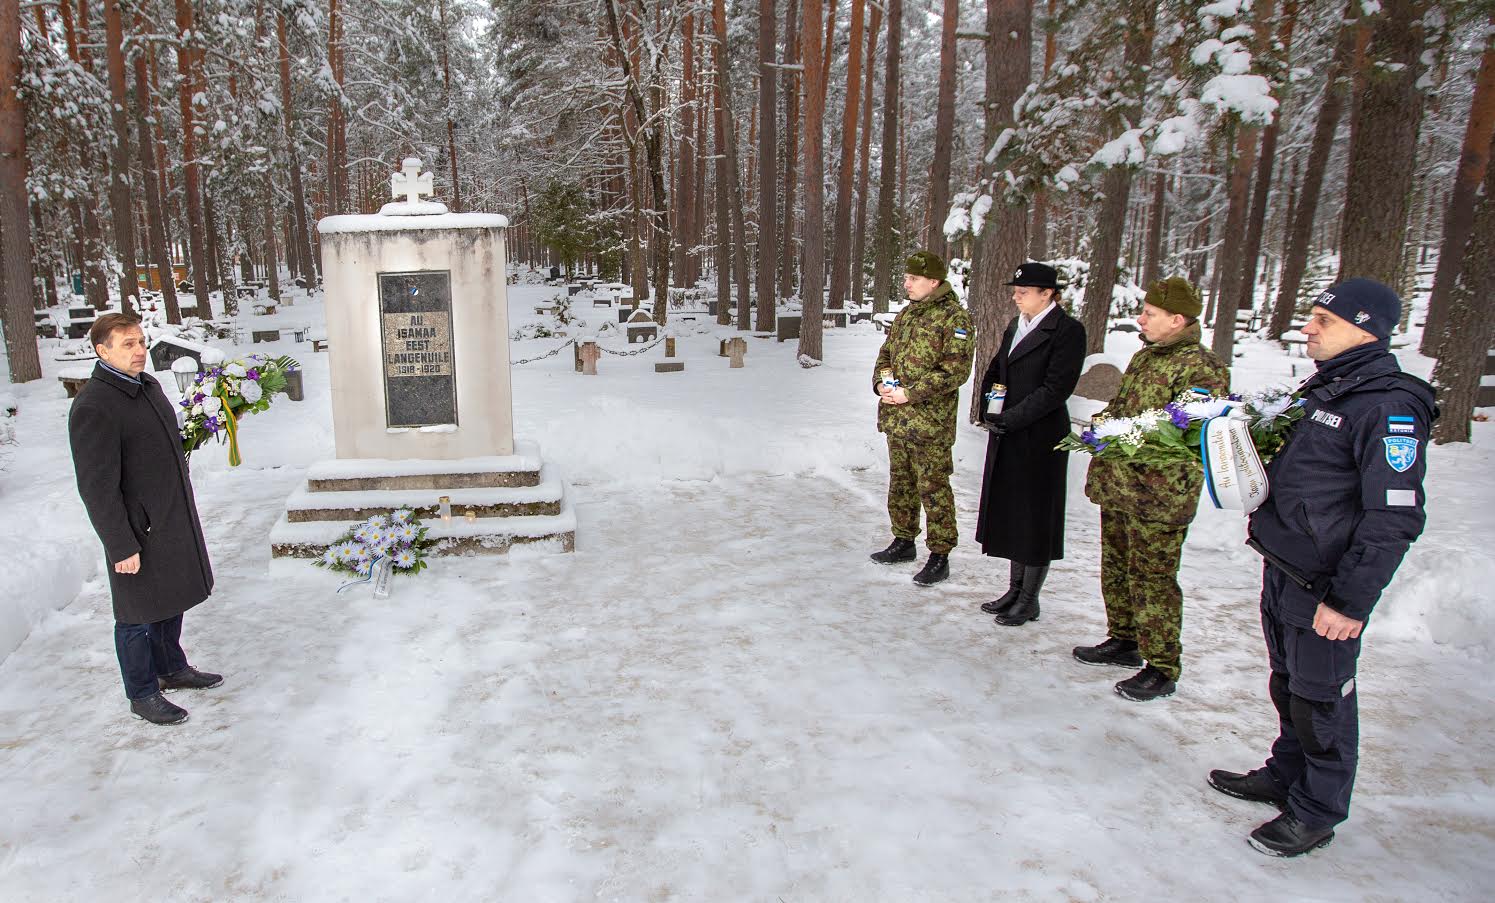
900, 550
157, 710
1146, 685
1286, 836
1122, 653
189, 678
937, 568
1257, 786
1025, 609
1014, 588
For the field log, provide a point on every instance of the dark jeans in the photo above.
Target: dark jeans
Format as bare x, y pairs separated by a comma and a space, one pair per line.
148, 651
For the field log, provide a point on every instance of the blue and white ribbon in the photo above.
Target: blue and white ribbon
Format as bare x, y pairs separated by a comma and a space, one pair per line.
1233, 473
373, 569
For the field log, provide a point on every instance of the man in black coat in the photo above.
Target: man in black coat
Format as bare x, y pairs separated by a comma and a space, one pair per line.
1023, 490
1346, 502
132, 476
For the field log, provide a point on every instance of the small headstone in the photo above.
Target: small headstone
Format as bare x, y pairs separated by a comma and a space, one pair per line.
736, 348
266, 335
669, 366
166, 350
589, 353
669, 346
1099, 383
788, 325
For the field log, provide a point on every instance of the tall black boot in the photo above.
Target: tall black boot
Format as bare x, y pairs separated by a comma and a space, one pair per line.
899, 551
1014, 587
1025, 609
937, 568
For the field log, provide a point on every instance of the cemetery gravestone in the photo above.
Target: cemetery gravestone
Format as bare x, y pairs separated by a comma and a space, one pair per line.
1099, 383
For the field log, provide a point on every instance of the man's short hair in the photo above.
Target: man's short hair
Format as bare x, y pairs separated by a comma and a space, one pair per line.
103, 329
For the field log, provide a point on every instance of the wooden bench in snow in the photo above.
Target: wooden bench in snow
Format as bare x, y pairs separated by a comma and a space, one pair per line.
74, 379
1294, 342
318, 340
881, 322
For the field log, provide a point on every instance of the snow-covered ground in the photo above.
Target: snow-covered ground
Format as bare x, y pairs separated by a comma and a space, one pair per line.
717, 697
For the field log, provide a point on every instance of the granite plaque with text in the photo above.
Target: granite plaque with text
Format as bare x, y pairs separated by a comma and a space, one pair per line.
420, 386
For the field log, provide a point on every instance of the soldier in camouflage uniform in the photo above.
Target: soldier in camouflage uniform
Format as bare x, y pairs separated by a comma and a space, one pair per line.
919, 372
1146, 509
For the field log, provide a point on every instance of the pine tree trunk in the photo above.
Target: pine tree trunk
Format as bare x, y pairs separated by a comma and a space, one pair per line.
1231, 263
338, 200
812, 293
944, 131
451, 127
187, 69
885, 244
788, 249
1152, 269
300, 235
120, 202
1300, 236
864, 165
734, 185
1003, 243
723, 208
16, 287
1458, 219
840, 259
212, 249
1471, 323
92, 263
1383, 145
154, 211
1116, 186
685, 156
768, 170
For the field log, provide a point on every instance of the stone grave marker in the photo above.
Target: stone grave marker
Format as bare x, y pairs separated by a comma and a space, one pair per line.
1099, 383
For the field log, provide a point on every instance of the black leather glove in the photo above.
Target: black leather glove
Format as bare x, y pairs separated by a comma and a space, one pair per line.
991, 425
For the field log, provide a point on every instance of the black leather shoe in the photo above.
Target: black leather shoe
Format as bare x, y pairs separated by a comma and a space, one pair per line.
899, 551
1122, 653
157, 710
1025, 609
1257, 786
1006, 600
1286, 836
1146, 685
937, 568
189, 678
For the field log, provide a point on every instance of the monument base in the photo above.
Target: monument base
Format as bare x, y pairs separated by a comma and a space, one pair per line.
515, 500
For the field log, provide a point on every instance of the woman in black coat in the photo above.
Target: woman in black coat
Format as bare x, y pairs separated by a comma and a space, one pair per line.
1023, 489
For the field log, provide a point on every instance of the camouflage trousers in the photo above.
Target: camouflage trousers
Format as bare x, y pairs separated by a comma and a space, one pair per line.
919, 476
1139, 562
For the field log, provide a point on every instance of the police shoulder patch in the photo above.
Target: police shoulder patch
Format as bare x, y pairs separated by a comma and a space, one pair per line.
961, 333
1401, 423
1401, 452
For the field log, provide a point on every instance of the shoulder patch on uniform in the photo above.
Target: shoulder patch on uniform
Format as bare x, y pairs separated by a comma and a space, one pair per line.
1401, 423
961, 333
1401, 498
1401, 452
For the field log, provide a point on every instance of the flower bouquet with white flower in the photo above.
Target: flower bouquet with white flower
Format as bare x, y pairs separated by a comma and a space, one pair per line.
398, 536
213, 405
1172, 433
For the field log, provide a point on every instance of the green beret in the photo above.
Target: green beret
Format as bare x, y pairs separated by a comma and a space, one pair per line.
1175, 295
928, 265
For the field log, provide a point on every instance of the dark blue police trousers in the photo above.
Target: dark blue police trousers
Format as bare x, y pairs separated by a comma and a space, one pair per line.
148, 651
1313, 688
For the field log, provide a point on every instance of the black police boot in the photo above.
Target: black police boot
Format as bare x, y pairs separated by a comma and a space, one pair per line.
937, 568
157, 710
1286, 836
1257, 786
1122, 653
1025, 609
900, 550
1146, 685
189, 678
1014, 588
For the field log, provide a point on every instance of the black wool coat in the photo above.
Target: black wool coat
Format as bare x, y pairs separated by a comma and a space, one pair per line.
1023, 489
132, 475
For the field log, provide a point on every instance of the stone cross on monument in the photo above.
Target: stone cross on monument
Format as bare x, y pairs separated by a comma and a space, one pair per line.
410, 181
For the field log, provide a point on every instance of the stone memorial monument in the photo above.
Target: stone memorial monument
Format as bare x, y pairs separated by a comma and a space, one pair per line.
417, 329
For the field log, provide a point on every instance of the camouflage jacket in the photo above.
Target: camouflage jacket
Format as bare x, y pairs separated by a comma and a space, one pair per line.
929, 349
1154, 377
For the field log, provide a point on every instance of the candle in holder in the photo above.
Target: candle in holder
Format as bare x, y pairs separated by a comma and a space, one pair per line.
472, 516
444, 508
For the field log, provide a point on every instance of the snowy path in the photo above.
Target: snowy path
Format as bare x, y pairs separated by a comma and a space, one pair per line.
744, 709
717, 697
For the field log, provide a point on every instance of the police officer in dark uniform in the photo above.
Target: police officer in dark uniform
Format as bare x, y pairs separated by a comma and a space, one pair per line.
1346, 502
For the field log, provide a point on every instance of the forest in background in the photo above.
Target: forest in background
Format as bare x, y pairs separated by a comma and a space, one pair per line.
780, 151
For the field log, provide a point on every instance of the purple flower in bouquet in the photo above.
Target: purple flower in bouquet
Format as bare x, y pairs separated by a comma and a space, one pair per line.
1091, 439
1233, 396
1177, 415
253, 374
198, 397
